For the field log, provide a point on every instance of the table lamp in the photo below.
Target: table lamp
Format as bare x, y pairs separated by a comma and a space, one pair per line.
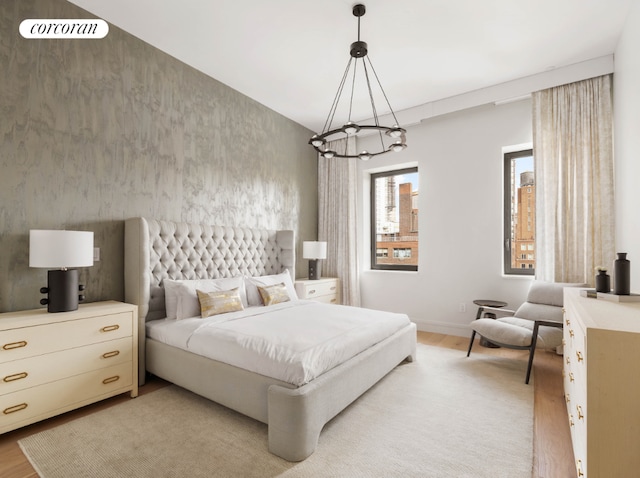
58, 251
314, 250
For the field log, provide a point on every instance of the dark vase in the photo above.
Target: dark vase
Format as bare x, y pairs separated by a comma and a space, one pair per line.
603, 281
621, 275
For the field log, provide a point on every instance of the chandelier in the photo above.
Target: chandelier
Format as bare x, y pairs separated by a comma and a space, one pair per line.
394, 135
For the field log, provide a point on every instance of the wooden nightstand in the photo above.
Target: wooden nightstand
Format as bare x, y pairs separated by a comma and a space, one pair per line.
51, 363
326, 289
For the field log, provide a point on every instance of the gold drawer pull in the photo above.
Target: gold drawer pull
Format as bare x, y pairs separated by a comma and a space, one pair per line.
579, 355
571, 379
312, 291
567, 321
113, 353
566, 397
579, 410
568, 360
15, 345
110, 328
15, 408
579, 467
564, 342
571, 420
115, 378
15, 376
571, 333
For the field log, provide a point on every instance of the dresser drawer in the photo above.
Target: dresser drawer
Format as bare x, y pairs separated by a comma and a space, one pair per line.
327, 299
41, 339
34, 404
323, 288
32, 371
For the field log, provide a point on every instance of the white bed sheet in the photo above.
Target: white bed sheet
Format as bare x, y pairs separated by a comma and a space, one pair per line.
293, 341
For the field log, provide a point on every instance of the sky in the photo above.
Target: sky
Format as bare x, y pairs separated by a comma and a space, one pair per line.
408, 178
522, 165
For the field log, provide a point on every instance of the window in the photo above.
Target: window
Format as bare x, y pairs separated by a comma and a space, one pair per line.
394, 220
403, 253
519, 212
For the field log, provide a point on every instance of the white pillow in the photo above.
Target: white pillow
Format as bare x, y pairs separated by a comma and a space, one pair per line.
252, 283
181, 298
171, 297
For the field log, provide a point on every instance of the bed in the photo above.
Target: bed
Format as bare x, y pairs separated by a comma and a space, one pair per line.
158, 251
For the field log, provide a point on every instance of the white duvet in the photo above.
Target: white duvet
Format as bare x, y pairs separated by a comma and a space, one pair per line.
293, 341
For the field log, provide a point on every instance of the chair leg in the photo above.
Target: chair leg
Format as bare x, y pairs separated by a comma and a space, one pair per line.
473, 336
534, 340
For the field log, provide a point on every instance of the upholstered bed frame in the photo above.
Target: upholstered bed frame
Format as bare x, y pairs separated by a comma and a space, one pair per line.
157, 250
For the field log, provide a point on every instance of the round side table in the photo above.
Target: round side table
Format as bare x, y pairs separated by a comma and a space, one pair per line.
482, 303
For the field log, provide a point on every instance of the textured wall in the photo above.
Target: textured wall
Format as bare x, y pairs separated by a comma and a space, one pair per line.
95, 131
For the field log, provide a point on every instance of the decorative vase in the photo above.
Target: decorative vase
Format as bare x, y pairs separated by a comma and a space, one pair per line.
603, 281
621, 275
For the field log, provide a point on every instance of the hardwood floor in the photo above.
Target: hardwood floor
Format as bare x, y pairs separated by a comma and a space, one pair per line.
552, 451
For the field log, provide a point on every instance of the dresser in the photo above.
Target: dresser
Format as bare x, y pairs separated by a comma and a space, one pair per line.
51, 363
602, 384
326, 290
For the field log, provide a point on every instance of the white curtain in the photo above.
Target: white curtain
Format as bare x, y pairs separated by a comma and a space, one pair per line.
574, 171
337, 202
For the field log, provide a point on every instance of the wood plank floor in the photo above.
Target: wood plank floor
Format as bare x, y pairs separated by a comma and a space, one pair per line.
552, 451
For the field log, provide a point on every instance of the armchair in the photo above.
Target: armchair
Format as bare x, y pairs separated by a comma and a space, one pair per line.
536, 323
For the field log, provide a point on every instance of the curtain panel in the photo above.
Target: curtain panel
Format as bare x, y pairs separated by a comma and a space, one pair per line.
337, 202
574, 171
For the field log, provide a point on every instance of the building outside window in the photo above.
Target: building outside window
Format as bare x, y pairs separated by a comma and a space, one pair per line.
394, 220
519, 212
402, 253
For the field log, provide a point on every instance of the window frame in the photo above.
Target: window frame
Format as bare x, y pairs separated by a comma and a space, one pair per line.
506, 242
374, 242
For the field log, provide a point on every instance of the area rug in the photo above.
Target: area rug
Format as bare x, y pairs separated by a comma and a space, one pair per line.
444, 415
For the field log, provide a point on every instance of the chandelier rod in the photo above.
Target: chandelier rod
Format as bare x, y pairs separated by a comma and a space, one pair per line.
382, 89
336, 99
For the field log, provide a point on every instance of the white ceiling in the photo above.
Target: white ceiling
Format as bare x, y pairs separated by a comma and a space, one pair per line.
290, 54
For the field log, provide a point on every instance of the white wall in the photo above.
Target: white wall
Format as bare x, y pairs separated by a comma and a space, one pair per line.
627, 142
459, 158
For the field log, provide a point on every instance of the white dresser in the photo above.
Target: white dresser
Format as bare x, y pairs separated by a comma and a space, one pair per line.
51, 363
602, 384
326, 289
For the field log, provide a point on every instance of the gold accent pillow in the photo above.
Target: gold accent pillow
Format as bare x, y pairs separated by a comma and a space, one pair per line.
219, 302
274, 294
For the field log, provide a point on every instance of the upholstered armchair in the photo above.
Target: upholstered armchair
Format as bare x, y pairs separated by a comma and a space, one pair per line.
536, 323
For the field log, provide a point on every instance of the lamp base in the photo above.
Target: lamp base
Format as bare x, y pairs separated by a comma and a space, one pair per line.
62, 288
315, 269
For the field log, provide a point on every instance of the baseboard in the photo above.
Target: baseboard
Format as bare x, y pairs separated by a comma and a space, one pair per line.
459, 330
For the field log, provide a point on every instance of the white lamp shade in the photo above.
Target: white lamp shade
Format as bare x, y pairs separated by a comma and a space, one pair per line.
314, 250
60, 249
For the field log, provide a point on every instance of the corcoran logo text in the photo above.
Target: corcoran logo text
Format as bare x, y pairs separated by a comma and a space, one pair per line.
64, 28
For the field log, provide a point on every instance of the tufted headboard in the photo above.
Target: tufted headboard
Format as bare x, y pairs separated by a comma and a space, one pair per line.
157, 250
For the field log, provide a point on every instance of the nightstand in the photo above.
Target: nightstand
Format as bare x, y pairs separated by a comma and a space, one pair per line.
326, 289
51, 363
